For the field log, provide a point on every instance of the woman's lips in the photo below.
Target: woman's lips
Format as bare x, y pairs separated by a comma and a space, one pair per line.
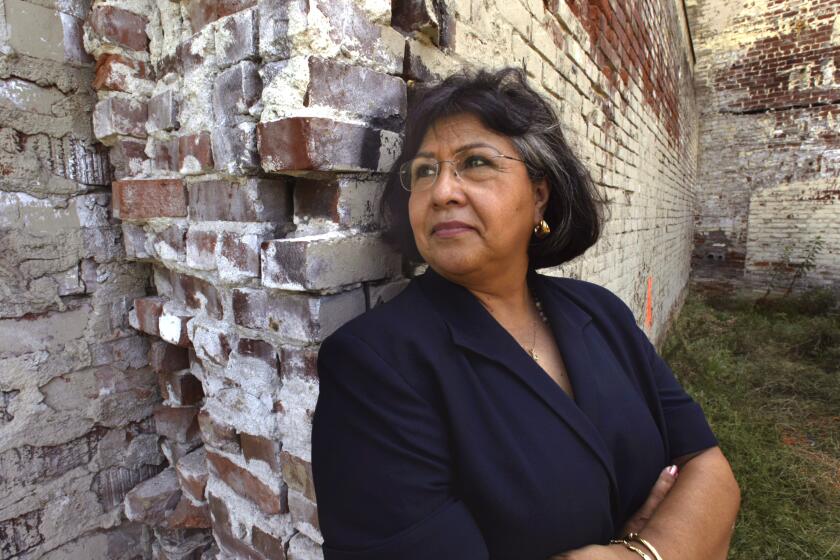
451, 231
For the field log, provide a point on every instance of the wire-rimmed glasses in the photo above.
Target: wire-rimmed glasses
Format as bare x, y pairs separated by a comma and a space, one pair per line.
476, 165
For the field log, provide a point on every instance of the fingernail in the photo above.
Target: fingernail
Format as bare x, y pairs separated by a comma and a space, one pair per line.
673, 470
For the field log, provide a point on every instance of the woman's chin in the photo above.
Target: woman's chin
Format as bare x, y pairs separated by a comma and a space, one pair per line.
453, 263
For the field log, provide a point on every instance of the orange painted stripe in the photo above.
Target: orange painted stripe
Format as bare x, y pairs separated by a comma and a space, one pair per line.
649, 303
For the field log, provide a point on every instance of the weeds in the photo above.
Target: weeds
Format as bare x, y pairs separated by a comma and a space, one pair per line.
768, 378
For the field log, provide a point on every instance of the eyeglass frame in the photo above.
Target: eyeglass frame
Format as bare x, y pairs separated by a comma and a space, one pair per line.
454, 168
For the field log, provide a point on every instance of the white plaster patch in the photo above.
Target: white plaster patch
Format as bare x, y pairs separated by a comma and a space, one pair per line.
309, 31
170, 328
379, 11
26, 96
835, 30
390, 148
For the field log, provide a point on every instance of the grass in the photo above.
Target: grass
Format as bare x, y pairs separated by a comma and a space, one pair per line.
768, 378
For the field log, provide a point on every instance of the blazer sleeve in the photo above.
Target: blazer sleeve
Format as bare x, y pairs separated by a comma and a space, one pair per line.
686, 426
381, 464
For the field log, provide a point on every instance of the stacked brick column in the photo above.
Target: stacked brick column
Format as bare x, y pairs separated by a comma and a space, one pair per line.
249, 140
76, 392
770, 159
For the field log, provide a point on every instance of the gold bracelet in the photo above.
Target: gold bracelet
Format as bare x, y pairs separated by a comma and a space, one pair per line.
638, 538
629, 546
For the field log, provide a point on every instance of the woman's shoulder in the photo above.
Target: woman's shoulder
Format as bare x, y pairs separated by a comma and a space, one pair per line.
390, 323
593, 298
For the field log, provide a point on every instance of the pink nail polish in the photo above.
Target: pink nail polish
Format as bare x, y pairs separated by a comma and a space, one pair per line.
673, 470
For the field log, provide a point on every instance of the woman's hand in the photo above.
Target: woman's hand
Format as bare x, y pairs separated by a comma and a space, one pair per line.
660, 489
635, 524
597, 552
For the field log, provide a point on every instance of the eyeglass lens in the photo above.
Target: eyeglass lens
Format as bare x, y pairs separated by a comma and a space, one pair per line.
475, 166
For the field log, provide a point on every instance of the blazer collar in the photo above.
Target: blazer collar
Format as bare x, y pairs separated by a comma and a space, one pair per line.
474, 328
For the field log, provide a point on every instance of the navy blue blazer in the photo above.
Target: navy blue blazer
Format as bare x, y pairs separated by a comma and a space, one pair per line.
436, 436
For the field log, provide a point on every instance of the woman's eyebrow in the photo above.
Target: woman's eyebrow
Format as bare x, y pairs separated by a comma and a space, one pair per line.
461, 149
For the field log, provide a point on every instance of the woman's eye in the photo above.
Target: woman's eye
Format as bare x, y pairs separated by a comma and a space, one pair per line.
424, 171
475, 161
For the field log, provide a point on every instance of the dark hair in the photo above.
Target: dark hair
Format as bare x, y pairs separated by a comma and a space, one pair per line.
505, 103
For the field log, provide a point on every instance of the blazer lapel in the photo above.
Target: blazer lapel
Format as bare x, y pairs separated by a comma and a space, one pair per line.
472, 327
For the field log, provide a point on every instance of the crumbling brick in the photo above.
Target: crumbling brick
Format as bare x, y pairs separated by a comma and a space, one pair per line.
314, 143
163, 111
120, 27
255, 200
119, 116
138, 199
269, 498
195, 154
326, 261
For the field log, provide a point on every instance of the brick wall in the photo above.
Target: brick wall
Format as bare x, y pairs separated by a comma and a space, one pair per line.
248, 140
76, 392
768, 93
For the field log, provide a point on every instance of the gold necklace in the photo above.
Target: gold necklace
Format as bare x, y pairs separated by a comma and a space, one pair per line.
532, 352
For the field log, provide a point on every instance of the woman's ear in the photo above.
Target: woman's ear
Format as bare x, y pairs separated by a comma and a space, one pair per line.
541, 194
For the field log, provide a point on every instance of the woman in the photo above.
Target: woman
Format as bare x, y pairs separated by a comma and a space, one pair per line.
491, 412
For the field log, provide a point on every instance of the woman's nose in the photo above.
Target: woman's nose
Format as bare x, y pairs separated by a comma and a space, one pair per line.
448, 186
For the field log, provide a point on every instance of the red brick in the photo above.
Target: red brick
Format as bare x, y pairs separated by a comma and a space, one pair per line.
235, 149
274, 41
127, 157
151, 501
261, 449
170, 242
241, 30
120, 27
201, 249
255, 200
163, 111
297, 473
211, 345
166, 358
189, 516
173, 327
310, 318
119, 116
269, 546
197, 295
194, 52
192, 473
234, 92
346, 201
311, 143
259, 349
111, 72
178, 423
217, 434
219, 511
250, 308
269, 500
415, 15
239, 256
234, 547
165, 154
303, 510
322, 262
181, 388
135, 242
374, 96
299, 362
148, 311
195, 154
202, 12
139, 199
74, 48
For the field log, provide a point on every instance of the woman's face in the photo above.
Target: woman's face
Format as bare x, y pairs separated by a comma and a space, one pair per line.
499, 214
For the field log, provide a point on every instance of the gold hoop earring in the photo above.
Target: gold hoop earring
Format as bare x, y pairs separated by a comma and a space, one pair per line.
542, 229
